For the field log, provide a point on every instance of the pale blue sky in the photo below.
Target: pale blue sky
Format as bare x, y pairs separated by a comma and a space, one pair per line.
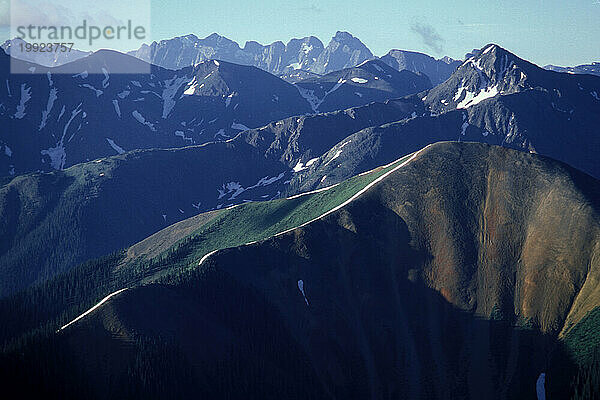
543, 31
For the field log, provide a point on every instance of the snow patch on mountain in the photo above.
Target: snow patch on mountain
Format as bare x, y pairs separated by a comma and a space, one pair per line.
140, 118
171, 88
540, 387
310, 97
335, 87
181, 134
238, 126
235, 188
316, 102
265, 181
98, 92
463, 128
191, 87
301, 166
106, 78
82, 75
338, 152
221, 133
25, 97
230, 187
488, 49
57, 154
311, 161
116, 106
472, 98
228, 99
115, 147
52, 96
301, 288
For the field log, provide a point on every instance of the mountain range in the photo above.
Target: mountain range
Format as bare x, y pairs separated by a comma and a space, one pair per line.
83, 110
307, 54
368, 82
436, 271
294, 155
167, 185
592, 69
494, 98
401, 227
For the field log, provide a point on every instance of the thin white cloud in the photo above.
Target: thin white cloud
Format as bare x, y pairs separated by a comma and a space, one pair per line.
429, 36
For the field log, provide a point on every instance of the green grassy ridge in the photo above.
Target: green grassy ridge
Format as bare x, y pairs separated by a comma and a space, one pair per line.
583, 339
582, 343
253, 222
59, 300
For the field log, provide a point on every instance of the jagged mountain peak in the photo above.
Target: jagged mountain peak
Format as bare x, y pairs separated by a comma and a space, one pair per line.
307, 54
491, 59
497, 63
345, 38
490, 71
216, 39
343, 51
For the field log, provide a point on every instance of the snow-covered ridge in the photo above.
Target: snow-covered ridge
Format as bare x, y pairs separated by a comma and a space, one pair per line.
485, 89
301, 167
338, 152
